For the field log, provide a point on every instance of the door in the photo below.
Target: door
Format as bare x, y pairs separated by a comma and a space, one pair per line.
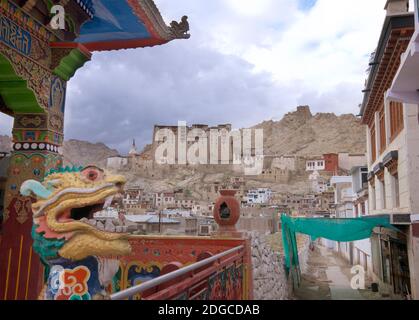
400, 267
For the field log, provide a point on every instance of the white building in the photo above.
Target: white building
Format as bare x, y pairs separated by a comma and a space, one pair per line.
360, 189
116, 163
259, 196
133, 196
164, 200
318, 183
390, 111
315, 165
176, 213
344, 197
184, 203
362, 254
203, 209
347, 160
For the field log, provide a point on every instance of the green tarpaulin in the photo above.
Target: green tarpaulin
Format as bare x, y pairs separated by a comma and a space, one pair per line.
342, 230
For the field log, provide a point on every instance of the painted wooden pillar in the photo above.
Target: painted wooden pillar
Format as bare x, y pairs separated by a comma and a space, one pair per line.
35, 66
36, 142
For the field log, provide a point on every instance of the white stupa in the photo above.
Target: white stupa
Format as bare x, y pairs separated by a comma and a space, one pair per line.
133, 151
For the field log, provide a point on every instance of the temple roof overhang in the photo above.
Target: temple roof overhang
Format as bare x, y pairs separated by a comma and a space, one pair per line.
405, 87
394, 40
125, 24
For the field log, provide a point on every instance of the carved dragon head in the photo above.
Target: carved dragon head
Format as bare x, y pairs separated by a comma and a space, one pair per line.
63, 236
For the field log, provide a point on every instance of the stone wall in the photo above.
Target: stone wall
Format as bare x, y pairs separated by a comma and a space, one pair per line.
269, 278
260, 224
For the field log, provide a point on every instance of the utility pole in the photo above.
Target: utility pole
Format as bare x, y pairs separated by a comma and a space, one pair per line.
160, 221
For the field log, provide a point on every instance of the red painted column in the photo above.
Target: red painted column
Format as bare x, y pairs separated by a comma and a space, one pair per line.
20, 267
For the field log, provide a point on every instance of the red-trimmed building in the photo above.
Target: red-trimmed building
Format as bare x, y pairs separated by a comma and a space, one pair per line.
331, 162
393, 153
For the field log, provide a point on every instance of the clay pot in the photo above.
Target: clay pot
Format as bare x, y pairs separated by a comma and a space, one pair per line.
227, 210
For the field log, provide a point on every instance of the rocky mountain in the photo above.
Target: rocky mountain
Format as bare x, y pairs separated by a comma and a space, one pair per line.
82, 153
298, 133
302, 133
76, 152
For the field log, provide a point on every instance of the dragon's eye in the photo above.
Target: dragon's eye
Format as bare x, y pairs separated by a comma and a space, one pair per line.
92, 174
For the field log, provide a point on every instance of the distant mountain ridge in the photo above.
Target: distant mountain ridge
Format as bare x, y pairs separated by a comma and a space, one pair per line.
83, 153
304, 134
76, 152
298, 133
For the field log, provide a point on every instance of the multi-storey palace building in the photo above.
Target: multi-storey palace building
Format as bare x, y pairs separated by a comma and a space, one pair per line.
393, 158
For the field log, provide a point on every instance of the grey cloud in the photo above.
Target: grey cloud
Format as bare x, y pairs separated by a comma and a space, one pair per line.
121, 95
343, 98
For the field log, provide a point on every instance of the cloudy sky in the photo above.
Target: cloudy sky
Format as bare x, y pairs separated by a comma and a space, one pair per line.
247, 61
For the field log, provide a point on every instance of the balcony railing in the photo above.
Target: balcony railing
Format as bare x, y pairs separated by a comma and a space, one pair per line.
221, 276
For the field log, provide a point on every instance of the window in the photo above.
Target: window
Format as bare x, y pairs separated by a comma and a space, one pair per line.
373, 144
396, 119
383, 195
383, 143
396, 191
364, 177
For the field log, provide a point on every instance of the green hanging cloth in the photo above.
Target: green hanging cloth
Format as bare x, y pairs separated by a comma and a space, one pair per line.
342, 230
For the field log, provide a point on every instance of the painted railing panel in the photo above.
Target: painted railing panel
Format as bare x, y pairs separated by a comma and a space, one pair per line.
221, 281
229, 278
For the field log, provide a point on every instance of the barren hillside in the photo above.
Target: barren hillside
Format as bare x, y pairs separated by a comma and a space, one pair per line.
301, 133
82, 153
298, 133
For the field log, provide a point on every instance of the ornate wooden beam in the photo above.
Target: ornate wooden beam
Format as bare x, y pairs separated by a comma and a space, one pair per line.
29, 4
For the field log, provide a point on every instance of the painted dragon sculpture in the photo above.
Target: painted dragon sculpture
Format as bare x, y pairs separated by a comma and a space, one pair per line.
80, 260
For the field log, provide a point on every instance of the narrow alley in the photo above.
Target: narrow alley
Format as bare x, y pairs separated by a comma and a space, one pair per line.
328, 277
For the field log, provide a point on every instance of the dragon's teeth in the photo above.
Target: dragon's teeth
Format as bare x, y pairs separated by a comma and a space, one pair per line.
84, 220
108, 202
